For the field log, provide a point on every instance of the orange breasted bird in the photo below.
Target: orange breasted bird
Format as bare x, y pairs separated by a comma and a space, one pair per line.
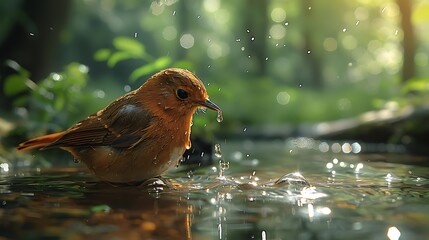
138, 136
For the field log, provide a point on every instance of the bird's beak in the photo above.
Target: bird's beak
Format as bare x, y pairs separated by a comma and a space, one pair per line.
211, 105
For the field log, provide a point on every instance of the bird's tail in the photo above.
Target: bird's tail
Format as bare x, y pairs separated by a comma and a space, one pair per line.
39, 142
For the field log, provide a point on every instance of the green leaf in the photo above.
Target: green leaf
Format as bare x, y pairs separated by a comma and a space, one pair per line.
159, 64
59, 103
20, 101
185, 65
14, 84
118, 57
416, 85
102, 54
129, 45
421, 14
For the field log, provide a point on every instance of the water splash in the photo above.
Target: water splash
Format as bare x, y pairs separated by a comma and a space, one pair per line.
294, 178
222, 164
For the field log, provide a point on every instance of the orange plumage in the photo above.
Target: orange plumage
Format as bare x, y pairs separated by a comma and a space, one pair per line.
138, 136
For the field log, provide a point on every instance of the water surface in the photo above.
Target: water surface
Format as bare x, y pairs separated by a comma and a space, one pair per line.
296, 189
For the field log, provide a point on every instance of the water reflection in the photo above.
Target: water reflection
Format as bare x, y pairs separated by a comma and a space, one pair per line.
295, 190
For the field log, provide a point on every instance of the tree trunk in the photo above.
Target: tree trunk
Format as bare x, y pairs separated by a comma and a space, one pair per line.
408, 43
32, 39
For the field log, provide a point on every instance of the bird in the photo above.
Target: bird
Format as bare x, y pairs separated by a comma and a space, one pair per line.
140, 135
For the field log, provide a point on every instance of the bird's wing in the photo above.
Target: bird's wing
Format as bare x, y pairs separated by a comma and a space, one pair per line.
122, 124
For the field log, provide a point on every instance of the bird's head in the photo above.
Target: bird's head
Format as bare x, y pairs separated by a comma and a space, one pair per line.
176, 92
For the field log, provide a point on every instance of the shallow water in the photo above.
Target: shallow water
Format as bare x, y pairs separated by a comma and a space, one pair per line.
298, 189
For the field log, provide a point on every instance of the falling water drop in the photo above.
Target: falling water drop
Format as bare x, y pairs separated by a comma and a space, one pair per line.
222, 164
222, 167
218, 152
219, 116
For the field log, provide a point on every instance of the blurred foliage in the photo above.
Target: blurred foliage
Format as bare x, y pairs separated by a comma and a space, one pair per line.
55, 102
126, 48
321, 63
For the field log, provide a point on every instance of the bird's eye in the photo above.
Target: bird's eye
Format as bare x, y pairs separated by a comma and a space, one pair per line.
182, 94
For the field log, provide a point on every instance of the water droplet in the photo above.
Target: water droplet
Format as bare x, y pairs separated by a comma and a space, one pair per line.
155, 160
127, 88
309, 8
308, 51
266, 59
243, 48
286, 24
174, 12
238, 40
219, 116
252, 39
198, 16
248, 30
300, 85
245, 129
293, 179
31, 34
344, 29
218, 152
223, 166
135, 35
357, 22
209, 66
252, 175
